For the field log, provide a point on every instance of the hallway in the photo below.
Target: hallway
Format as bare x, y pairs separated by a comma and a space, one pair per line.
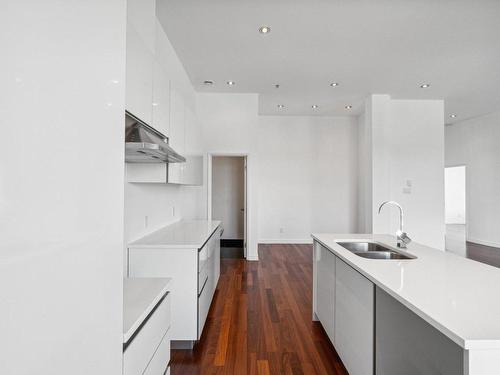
260, 320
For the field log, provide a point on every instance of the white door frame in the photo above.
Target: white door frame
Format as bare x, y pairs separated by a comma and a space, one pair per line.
210, 156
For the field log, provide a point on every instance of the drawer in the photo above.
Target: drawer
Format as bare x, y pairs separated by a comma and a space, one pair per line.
143, 345
161, 358
204, 300
203, 257
202, 278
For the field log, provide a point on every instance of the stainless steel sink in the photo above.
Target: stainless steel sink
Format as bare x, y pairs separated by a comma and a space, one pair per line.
372, 250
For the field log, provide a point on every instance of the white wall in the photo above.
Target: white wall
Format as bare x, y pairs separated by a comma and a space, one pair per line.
454, 182
61, 186
364, 148
229, 123
296, 167
475, 143
307, 176
228, 194
408, 149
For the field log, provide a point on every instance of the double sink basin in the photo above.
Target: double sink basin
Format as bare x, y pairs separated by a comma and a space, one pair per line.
372, 250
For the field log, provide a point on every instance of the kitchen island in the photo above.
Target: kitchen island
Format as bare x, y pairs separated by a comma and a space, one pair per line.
435, 314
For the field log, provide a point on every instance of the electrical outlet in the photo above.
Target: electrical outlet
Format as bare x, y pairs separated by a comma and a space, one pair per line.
146, 221
173, 211
282, 230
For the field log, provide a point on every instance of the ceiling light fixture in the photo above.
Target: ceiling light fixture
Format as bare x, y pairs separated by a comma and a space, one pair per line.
314, 106
277, 85
453, 115
281, 106
230, 83
334, 84
208, 82
348, 107
264, 29
425, 85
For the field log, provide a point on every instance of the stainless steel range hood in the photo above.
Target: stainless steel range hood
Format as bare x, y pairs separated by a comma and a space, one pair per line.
143, 144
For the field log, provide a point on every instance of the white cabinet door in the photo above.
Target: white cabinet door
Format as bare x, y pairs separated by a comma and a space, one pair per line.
325, 289
217, 237
161, 100
177, 134
141, 15
354, 319
177, 117
139, 77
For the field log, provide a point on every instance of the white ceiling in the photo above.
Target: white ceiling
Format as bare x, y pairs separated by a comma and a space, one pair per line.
368, 46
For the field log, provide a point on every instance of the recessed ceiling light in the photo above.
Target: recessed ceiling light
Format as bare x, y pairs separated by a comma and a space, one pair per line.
425, 85
348, 107
334, 84
315, 106
208, 82
281, 106
453, 115
264, 29
277, 85
230, 83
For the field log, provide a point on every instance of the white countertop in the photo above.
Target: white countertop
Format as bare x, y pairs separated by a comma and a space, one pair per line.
457, 296
140, 296
182, 234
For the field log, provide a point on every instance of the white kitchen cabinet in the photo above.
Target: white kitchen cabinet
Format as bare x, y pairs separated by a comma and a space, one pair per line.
147, 326
139, 77
354, 319
141, 15
177, 117
155, 173
325, 288
192, 269
161, 100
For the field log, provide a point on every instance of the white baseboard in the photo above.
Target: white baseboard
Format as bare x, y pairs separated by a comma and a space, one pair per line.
252, 259
296, 241
485, 243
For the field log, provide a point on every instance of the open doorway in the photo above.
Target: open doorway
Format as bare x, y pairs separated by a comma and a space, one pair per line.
455, 209
227, 194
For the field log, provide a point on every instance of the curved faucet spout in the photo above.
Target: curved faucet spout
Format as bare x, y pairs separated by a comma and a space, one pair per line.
403, 238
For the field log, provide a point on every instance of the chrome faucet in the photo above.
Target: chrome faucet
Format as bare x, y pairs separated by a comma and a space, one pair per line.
403, 238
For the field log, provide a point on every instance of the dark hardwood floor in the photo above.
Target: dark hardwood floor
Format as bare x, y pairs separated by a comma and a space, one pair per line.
484, 254
260, 320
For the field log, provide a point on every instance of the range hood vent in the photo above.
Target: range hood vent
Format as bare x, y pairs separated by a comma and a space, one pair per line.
144, 144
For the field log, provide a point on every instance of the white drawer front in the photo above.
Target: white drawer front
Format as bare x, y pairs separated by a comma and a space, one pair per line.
161, 358
203, 306
202, 277
203, 257
143, 346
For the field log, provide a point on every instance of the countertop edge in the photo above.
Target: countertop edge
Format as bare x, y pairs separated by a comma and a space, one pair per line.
137, 245
133, 328
466, 344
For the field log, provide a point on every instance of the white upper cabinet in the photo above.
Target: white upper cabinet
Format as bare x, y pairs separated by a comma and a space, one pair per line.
139, 77
177, 120
141, 15
161, 100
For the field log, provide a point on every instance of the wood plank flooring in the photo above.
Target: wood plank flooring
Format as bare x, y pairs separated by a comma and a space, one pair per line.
260, 320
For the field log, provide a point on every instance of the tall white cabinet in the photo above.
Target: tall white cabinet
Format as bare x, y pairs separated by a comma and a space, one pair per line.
159, 93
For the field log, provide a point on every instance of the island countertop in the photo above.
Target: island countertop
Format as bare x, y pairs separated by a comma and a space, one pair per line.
182, 234
457, 296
